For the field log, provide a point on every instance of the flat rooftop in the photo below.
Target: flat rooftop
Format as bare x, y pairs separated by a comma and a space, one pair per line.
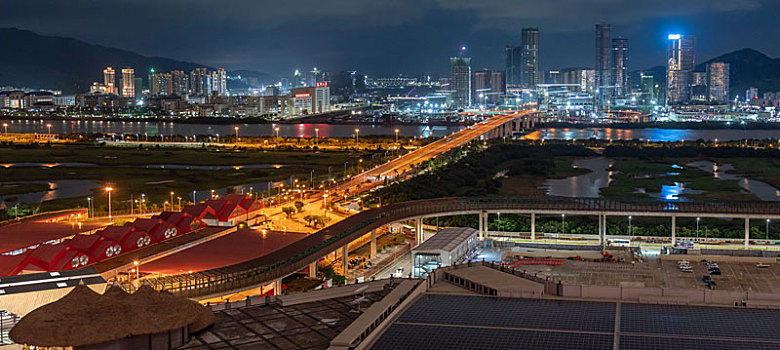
309, 325
27, 233
495, 279
479, 322
239, 246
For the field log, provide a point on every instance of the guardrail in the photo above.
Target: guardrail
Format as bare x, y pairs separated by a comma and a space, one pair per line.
299, 254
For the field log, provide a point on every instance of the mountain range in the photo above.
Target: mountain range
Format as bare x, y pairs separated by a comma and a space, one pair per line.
31, 60
49, 62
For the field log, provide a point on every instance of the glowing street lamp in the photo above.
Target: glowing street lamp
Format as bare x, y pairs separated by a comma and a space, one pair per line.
357, 136
171, 199
277, 136
179, 198
237, 139
317, 137
396, 135
137, 269
108, 190
49, 127
5, 125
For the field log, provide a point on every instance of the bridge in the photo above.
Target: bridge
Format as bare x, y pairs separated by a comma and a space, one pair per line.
297, 256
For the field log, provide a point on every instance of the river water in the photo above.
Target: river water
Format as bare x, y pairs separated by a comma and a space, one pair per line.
152, 129
652, 134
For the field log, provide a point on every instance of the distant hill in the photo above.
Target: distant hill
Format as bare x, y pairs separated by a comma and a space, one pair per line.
747, 68
49, 62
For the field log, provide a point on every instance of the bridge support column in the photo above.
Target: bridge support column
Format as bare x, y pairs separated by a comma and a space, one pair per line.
482, 216
604, 228
674, 230
372, 251
278, 287
533, 226
344, 259
747, 233
313, 270
600, 231
418, 231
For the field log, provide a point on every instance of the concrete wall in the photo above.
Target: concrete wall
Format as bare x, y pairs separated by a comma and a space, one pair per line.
669, 295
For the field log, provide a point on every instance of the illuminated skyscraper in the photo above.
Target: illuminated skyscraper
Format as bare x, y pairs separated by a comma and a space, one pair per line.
109, 80
219, 82
603, 63
718, 82
679, 68
200, 82
530, 67
514, 58
180, 83
620, 73
128, 83
460, 79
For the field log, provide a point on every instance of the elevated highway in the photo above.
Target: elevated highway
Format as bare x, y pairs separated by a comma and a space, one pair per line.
298, 255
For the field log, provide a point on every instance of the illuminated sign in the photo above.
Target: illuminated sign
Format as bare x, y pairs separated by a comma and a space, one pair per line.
302, 95
322, 84
674, 36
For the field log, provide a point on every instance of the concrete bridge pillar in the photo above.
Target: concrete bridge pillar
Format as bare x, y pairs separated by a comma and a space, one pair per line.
278, 287
600, 231
604, 228
674, 230
344, 259
483, 225
372, 251
313, 270
747, 233
418, 230
533, 226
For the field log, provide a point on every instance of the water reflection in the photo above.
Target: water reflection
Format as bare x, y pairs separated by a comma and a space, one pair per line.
57, 189
651, 134
586, 185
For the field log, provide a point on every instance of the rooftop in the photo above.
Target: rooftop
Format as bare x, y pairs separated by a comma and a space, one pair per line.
447, 239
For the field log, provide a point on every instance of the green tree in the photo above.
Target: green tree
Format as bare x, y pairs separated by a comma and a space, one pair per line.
298, 206
288, 211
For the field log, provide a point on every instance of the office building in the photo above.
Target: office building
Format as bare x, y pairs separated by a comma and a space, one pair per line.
751, 94
603, 68
109, 80
530, 57
481, 86
138, 83
718, 82
128, 83
460, 79
514, 58
180, 83
160, 84
312, 99
497, 85
647, 89
679, 69
552, 77
585, 78
619, 73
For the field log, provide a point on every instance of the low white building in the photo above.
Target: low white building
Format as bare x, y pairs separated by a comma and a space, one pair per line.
445, 248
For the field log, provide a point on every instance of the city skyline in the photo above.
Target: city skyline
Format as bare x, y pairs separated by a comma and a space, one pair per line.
382, 47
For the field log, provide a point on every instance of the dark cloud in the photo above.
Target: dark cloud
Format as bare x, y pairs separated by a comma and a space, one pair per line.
403, 36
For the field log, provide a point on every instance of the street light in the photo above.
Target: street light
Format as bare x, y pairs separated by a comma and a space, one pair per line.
108, 190
49, 127
563, 223
89, 207
171, 200
137, 269
629, 227
179, 198
767, 229
357, 137
697, 228
5, 125
277, 136
396, 135
237, 139
317, 137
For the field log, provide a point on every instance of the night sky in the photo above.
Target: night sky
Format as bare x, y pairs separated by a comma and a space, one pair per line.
395, 36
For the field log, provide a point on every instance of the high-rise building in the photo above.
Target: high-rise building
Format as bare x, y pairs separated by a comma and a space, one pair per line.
497, 85
128, 83
200, 82
313, 77
679, 69
647, 88
313, 99
460, 79
139, 83
180, 83
585, 78
219, 82
718, 82
751, 94
552, 77
480, 84
603, 66
109, 80
530, 60
160, 84
620, 73
514, 59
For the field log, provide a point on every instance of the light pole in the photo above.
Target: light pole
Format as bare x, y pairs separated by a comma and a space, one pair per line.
137, 269
212, 194
357, 137
396, 135
195, 201
5, 126
499, 222
629, 227
89, 207
277, 136
171, 200
108, 190
179, 198
697, 228
317, 137
48, 126
563, 223
237, 139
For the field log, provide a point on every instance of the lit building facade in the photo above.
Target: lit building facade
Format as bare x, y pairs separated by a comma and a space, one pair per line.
530, 54
718, 82
620, 74
128, 83
679, 68
514, 58
603, 67
460, 80
109, 80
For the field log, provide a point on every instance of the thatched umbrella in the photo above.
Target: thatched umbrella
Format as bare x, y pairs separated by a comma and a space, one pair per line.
84, 317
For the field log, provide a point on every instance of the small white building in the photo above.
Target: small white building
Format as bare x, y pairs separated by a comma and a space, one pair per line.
445, 248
